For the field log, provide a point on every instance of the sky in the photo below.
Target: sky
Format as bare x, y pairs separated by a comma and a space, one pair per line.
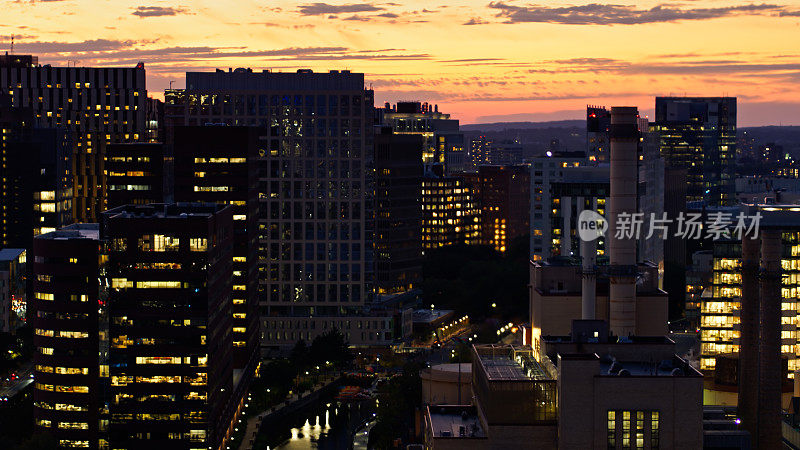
480, 61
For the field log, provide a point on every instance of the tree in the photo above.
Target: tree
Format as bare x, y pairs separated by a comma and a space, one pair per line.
332, 347
299, 356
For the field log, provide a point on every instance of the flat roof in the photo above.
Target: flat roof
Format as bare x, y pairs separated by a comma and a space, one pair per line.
430, 315
502, 363
75, 231
10, 254
669, 368
459, 422
165, 210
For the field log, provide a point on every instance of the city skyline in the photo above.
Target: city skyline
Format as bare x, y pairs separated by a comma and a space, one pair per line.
511, 61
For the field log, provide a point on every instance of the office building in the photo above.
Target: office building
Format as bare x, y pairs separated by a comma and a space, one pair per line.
503, 195
551, 169
598, 123
36, 183
66, 299
154, 121
450, 215
444, 143
137, 174
480, 149
485, 151
98, 106
720, 313
398, 208
315, 194
13, 289
218, 165
698, 286
169, 272
699, 134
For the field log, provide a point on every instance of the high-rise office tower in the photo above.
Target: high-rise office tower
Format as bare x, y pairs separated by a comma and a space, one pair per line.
444, 143
169, 272
450, 215
699, 134
563, 185
36, 183
504, 197
67, 393
598, 142
398, 212
218, 165
99, 106
137, 174
315, 193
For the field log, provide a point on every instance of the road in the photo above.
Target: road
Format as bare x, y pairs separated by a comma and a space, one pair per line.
8, 389
361, 439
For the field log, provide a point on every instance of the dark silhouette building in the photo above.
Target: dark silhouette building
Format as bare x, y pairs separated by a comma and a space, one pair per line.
218, 165
35, 182
169, 272
503, 194
398, 221
137, 174
67, 391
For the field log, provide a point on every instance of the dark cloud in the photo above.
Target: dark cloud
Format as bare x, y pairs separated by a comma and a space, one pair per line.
319, 9
790, 14
675, 67
157, 11
354, 18
610, 14
96, 45
471, 60
475, 21
388, 15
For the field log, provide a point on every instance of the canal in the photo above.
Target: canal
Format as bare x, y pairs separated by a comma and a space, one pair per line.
325, 424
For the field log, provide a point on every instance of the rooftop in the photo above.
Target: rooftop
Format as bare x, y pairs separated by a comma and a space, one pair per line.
430, 315
163, 210
10, 254
75, 231
459, 422
509, 363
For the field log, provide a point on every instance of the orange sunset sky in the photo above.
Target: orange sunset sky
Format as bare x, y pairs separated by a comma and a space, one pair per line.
481, 61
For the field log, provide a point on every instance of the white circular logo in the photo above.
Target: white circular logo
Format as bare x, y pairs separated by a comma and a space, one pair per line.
591, 225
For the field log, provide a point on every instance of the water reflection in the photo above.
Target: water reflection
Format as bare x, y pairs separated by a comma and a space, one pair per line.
323, 425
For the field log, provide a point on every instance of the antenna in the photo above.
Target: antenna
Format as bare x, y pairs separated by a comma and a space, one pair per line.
170, 83
12, 45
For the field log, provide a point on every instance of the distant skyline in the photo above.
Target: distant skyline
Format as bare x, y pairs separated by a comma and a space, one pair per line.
480, 61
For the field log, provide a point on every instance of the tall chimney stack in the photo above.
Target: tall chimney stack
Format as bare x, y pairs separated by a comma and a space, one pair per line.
624, 135
588, 279
748, 337
769, 367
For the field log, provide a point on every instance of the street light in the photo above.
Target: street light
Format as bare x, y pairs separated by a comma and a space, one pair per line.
494, 305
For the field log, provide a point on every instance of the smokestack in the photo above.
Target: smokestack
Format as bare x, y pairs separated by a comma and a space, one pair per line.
748, 340
769, 358
624, 135
588, 276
